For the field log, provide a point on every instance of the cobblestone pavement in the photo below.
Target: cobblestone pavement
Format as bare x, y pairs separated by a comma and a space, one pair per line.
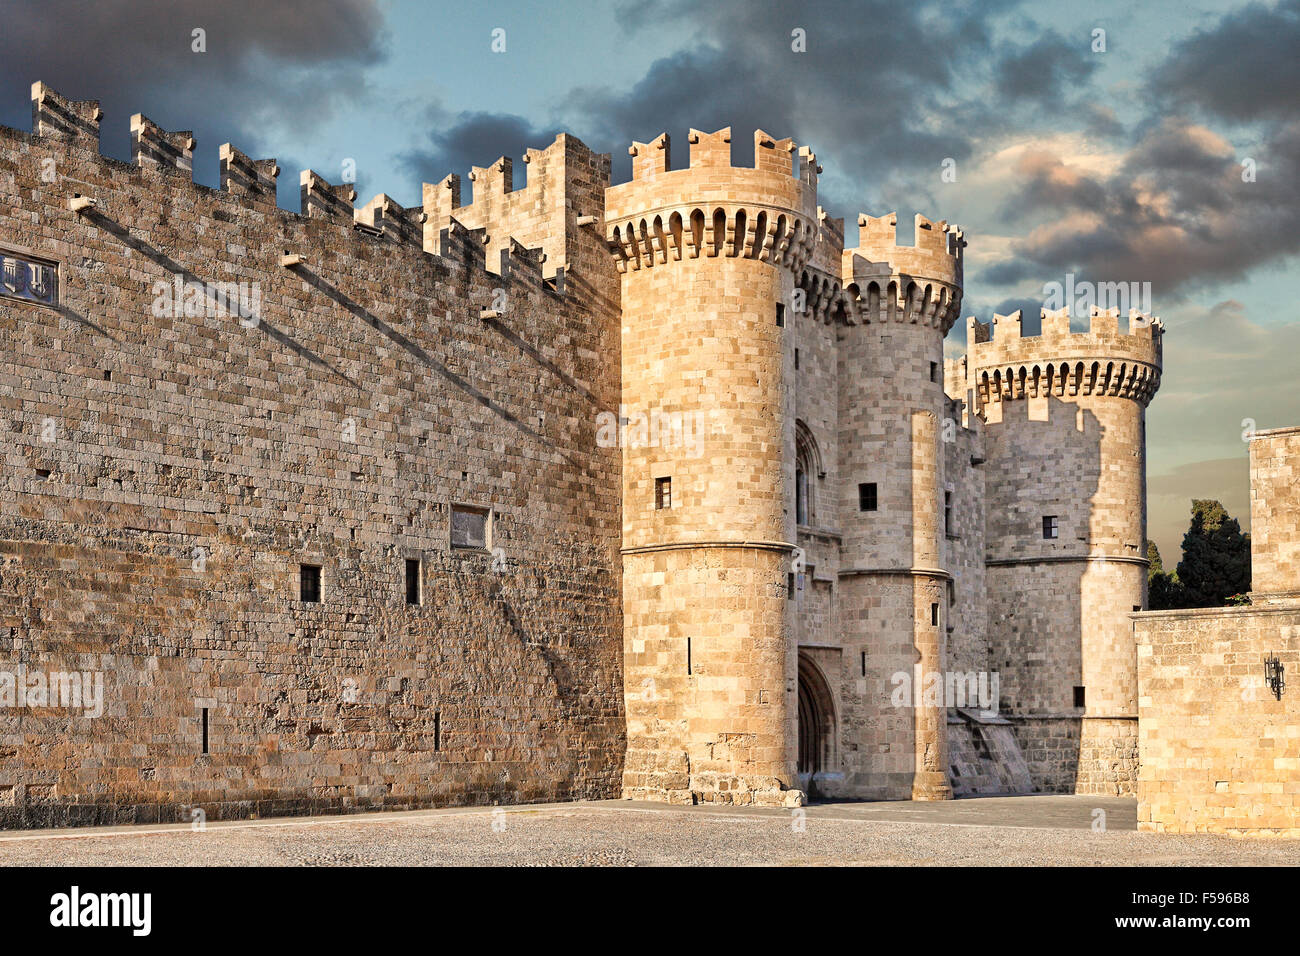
1010, 831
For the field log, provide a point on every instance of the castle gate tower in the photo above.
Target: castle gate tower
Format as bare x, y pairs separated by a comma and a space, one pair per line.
893, 590
1066, 535
708, 256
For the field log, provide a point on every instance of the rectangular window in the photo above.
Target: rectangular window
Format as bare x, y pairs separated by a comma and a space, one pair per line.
780, 315
412, 581
1078, 697
469, 527
934, 371
309, 583
867, 496
663, 493
789, 586
934, 615
1050, 527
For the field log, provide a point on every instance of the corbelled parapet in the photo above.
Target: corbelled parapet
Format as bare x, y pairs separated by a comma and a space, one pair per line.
565, 186
321, 198
1004, 364
917, 284
385, 216
767, 212
151, 145
241, 174
56, 115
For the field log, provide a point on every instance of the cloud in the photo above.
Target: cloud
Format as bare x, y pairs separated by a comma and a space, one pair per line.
266, 64
1245, 69
1177, 213
458, 141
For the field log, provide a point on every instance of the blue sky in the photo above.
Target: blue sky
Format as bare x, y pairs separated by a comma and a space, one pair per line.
1115, 165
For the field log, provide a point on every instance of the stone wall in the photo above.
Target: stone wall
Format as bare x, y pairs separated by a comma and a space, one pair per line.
1220, 753
1275, 514
168, 471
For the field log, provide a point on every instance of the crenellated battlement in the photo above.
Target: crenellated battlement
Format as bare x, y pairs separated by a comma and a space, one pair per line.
566, 183
1006, 364
767, 212
564, 194
920, 283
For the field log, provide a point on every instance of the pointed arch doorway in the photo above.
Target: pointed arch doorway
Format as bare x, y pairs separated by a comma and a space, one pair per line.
817, 734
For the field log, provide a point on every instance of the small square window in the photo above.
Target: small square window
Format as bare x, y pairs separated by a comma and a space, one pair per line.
469, 527
1078, 697
309, 583
1050, 527
663, 493
867, 500
412, 581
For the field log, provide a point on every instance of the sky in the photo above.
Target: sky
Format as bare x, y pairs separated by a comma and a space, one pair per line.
1120, 155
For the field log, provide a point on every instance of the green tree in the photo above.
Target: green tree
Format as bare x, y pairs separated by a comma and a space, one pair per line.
1216, 557
1163, 591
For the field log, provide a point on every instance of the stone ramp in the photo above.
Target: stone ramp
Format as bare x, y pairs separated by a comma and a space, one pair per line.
984, 757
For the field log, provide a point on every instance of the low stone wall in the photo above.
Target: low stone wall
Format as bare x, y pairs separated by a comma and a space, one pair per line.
1219, 752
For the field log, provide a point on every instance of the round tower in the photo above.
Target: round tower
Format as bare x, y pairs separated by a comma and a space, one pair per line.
1066, 535
708, 257
893, 590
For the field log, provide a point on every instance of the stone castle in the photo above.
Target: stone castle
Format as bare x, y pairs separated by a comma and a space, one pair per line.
329, 502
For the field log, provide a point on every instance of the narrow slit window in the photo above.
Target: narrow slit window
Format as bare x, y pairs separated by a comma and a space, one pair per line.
688, 655
437, 730
205, 730
780, 315
947, 512
864, 663
412, 581
934, 614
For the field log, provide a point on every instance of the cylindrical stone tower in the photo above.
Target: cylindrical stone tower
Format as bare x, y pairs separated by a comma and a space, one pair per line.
893, 591
1066, 533
708, 256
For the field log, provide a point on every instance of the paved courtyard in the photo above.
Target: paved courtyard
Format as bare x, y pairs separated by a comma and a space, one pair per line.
1008, 831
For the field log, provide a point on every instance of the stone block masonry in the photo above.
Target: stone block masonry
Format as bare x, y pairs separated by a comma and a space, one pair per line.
170, 467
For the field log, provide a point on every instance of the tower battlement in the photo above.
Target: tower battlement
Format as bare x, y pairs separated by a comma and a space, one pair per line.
712, 208
1004, 364
920, 283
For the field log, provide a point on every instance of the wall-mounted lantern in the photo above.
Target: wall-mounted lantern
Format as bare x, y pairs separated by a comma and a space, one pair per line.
1273, 676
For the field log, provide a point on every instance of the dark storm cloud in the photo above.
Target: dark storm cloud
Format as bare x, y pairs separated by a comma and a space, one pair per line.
1045, 71
1246, 68
1177, 213
286, 62
863, 95
457, 142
